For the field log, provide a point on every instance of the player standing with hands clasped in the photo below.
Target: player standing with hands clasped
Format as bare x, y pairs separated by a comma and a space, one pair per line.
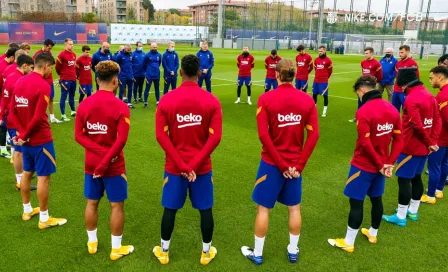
188, 128
245, 63
421, 131
378, 125
283, 116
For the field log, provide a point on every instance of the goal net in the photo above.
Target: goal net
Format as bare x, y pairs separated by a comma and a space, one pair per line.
355, 43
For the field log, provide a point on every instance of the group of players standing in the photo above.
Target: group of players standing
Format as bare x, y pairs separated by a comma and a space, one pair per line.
189, 132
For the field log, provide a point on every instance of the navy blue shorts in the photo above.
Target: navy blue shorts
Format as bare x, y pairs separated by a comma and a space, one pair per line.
408, 165
175, 189
245, 80
116, 187
270, 83
52, 91
320, 88
85, 89
361, 184
271, 186
40, 159
12, 134
302, 85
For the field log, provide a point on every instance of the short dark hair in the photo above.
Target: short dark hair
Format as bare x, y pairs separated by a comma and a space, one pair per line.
442, 59
24, 59
43, 59
190, 65
67, 40
300, 47
107, 70
48, 42
85, 48
440, 70
323, 47
136, 44
370, 49
13, 45
405, 47
365, 81
273, 52
11, 52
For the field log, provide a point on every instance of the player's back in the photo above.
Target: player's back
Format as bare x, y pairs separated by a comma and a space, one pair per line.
27, 92
99, 115
421, 99
382, 118
188, 111
288, 113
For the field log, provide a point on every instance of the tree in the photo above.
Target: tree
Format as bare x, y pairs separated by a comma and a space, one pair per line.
130, 16
89, 17
174, 11
147, 5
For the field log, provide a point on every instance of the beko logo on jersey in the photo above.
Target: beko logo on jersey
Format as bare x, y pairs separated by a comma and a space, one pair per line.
290, 119
320, 66
86, 67
427, 123
366, 71
21, 101
245, 62
189, 120
384, 129
96, 128
300, 63
273, 65
70, 62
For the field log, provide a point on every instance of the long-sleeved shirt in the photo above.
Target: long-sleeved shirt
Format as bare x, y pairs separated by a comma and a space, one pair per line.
388, 67
9, 70
170, 63
283, 116
100, 56
245, 65
324, 69
138, 69
84, 70
372, 67
125, 62
29, 107
304, 66
188, 128
151, 63
3, 65
8, 95
421, 121
206, 59
442, 100
66, 65
378, 124
104, 135
271, 65
49, 79
404, 63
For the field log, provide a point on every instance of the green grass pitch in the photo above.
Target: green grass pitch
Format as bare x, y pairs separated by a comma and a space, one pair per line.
421, 245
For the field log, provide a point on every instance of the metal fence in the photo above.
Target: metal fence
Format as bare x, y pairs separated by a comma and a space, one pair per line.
295, 22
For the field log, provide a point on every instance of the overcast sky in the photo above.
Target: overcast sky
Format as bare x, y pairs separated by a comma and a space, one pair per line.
378, 5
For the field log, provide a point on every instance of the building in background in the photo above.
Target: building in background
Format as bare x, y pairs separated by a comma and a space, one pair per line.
121, 10
10, 8
203, 13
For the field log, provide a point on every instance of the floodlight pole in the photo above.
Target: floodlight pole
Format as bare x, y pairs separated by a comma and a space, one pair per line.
220, 8
311, 19
321, 21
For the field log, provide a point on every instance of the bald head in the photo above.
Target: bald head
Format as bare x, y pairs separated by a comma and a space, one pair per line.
389, 52
105, 47
153, 46
128, 48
